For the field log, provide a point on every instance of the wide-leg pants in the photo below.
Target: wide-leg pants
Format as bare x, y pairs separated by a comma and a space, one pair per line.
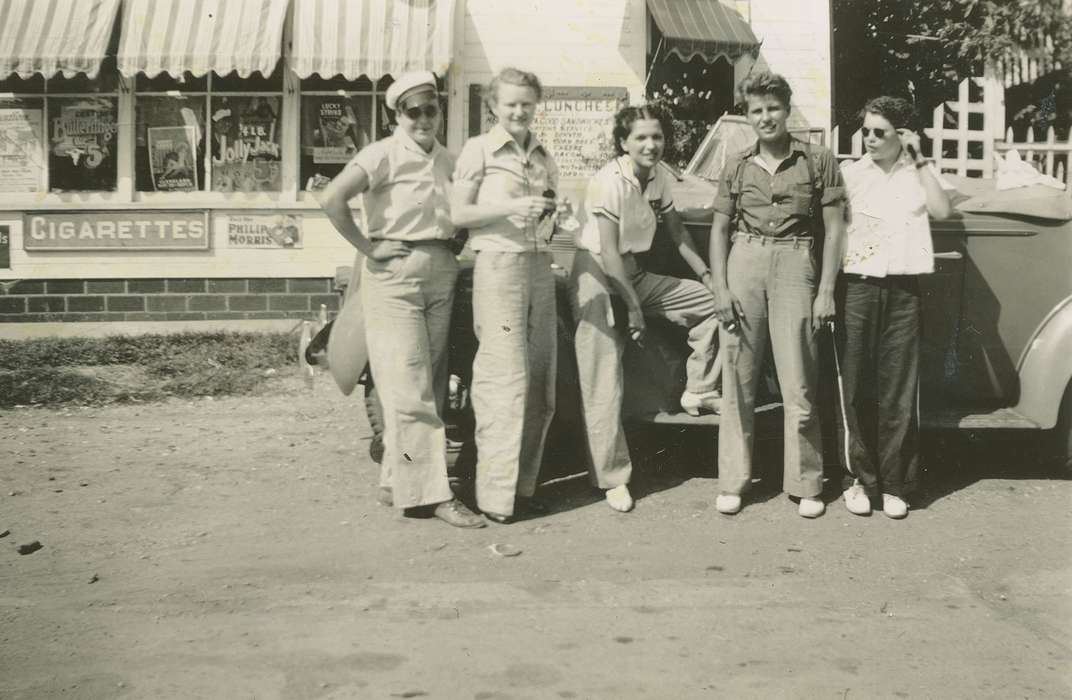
600, 346
879, 357
513, 390
407, 320
775, 282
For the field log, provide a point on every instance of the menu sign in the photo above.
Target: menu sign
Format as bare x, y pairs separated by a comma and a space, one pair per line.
573, 123
21, 155
126, 230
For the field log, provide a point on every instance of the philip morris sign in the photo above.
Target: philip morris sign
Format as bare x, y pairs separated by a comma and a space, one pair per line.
122, 230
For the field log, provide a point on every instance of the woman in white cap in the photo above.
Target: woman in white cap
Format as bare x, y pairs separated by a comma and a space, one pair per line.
407, 290
625, 201
503, 193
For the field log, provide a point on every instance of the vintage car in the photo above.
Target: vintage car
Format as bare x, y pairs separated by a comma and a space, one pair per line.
997, 319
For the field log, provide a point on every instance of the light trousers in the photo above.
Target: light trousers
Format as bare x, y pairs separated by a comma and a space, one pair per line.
775, 282
513, 389
407, 320
600, 345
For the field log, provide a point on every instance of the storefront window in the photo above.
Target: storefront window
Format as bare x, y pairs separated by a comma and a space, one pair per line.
247, 144
22, 152
169, 144
82, 144
333, 129
340, 117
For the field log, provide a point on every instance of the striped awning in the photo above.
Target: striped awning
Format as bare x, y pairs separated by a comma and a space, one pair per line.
173, 36
372, 38
704, 28
54, 36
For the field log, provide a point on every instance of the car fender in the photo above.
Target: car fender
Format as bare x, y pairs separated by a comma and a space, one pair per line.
347, 349
1045, 367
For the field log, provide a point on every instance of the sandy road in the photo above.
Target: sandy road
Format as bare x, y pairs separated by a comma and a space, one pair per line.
239, 554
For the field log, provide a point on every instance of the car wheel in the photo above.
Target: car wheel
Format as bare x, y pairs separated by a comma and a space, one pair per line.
374, 411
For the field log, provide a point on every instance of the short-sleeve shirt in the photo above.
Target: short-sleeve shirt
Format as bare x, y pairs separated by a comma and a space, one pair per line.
408, 198
494, 166
615, 193
778, 205
889, 232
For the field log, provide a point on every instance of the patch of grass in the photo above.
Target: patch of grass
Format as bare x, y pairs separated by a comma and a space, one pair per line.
49, 371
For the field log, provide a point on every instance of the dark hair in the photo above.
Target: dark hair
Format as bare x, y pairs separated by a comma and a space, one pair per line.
896, 110
626, 116
512, 76
766, 83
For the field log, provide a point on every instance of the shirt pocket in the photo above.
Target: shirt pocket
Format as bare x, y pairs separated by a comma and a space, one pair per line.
800, 199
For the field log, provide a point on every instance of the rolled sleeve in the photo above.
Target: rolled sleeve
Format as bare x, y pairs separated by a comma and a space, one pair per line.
373, 159
830, 176
604, 198
723, 203
469, 167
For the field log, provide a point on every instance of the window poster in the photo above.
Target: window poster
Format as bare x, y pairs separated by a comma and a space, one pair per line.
172, 155
21, 155
82, 143
334, 129
5, 247
246, 144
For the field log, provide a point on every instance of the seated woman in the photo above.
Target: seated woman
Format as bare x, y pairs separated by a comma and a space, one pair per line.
625, 201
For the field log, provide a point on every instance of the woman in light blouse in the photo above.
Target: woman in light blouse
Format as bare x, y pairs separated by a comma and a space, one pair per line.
625, 201
503, 193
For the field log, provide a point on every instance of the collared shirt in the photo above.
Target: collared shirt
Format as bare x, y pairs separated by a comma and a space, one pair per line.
888, 231
615, 193
777, 204
495, 167
409, 189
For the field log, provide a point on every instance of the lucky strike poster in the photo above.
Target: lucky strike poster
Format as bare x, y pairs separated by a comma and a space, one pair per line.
246, 152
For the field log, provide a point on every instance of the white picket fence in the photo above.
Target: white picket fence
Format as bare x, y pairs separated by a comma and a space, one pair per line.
969, 152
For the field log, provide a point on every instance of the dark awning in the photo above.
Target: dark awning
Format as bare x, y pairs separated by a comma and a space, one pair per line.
704, 28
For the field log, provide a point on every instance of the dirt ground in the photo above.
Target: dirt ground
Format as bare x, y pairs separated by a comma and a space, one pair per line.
233, 549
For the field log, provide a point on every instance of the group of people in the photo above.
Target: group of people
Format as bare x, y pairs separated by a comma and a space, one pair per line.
778, 205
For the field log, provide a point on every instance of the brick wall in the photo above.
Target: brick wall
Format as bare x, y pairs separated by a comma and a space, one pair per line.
165, 299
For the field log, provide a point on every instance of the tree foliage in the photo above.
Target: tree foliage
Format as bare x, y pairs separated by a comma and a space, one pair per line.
923, 48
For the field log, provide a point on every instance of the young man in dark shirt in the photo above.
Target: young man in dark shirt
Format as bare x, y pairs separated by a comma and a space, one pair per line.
778, 194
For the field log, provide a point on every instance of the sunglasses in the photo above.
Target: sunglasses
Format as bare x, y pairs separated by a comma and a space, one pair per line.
879, 133
429, 110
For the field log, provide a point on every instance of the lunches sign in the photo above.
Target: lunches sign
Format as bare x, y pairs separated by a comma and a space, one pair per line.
125, 230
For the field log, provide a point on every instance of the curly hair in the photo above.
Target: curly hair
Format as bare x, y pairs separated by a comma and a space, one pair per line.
512, 76
766, 83
627, 116
896, 110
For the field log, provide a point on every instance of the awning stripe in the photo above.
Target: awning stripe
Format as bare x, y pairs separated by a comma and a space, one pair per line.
372, 38
174, 36
55, 36
706, 28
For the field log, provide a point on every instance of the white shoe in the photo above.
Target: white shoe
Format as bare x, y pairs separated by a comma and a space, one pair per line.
709, 401
811, 507
894, 506
620, 499
728, 503
856, 500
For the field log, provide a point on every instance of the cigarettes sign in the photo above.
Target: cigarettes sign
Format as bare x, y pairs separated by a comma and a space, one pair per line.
124, 230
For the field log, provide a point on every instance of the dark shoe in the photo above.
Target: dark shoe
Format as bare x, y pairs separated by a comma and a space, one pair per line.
455, 513
531, 505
